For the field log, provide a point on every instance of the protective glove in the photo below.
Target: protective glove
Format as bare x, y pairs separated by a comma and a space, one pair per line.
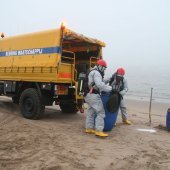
122, 93
110, 88
121, 96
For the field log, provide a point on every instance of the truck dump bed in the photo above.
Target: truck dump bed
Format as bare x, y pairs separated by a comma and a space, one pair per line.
37, 56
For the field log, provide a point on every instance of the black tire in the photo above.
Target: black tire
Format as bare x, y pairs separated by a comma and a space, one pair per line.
1, 89
30, 104
68, 106
15, 100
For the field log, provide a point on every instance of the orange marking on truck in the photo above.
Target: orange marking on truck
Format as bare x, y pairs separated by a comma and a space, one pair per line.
64, 75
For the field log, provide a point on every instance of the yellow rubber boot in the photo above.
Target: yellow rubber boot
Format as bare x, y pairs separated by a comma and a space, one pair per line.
91, 131
127, 122
101, 134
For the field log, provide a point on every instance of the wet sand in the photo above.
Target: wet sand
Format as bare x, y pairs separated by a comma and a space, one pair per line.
58, 141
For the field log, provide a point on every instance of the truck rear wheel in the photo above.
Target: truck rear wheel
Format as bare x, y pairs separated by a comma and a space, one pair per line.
30, 104
68, 106
1, 89
15, 100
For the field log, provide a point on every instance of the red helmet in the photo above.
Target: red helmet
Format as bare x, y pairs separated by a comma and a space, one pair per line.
120, 71
102, 63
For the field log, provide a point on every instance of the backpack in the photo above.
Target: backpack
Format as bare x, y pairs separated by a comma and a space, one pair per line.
83, 80
83, 87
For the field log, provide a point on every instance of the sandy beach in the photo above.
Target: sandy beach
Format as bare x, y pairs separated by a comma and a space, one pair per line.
58, 141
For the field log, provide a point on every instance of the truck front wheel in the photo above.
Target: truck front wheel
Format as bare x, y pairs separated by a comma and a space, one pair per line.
30, 104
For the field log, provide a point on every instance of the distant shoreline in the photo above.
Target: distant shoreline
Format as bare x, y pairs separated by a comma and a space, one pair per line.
142, 106
145, 98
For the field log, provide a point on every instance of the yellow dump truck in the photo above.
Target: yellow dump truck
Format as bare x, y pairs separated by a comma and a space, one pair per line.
42, 68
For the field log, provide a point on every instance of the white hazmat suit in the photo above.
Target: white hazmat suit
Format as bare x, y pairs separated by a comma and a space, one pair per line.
122, 88
94, 101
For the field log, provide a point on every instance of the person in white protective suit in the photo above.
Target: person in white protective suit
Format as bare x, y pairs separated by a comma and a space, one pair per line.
119, 84
93, 99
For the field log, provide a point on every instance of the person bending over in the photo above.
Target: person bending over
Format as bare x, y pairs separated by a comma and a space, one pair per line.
119, 84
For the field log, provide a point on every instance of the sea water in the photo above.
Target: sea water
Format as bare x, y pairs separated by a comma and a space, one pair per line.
142, 79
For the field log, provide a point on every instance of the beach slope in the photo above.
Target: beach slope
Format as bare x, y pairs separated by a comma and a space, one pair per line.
58, 141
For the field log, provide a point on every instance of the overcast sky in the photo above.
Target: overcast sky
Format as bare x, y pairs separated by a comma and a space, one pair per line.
136, 32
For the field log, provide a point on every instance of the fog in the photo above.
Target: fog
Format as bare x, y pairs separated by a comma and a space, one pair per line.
136, 32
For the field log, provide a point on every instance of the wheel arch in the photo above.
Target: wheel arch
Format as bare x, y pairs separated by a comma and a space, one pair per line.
25, 85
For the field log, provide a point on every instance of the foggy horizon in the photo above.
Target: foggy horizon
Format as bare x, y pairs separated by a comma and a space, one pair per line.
136, 32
